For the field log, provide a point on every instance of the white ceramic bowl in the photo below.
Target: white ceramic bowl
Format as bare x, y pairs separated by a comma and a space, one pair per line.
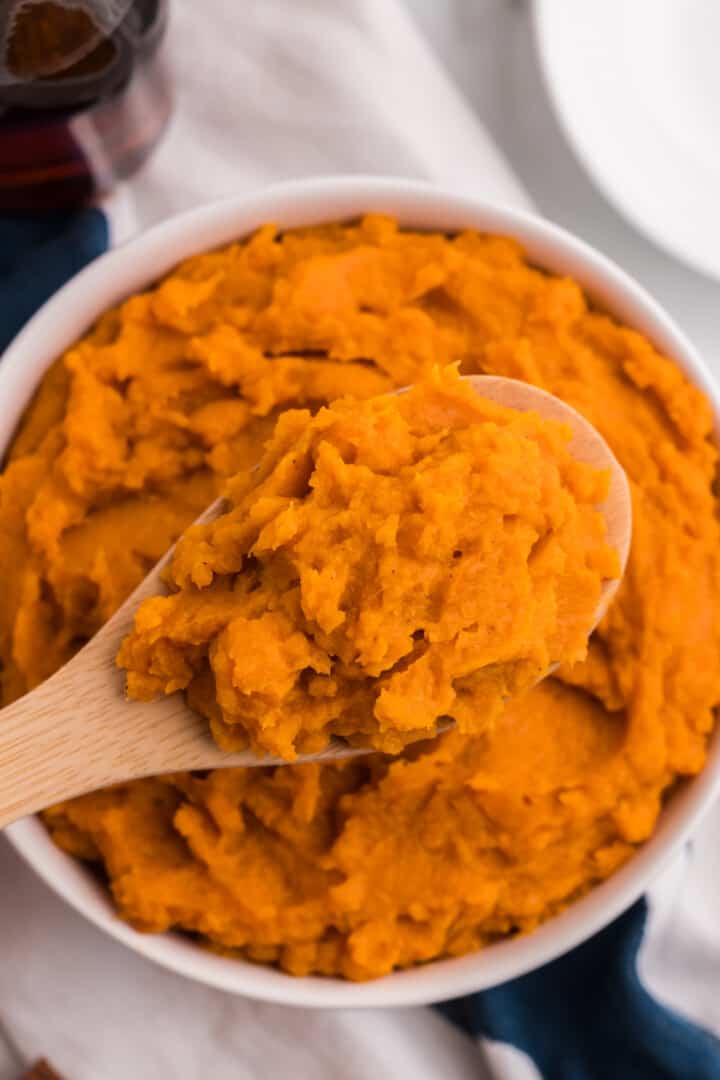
136, 265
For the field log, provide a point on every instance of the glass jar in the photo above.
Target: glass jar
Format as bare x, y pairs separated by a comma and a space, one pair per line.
83, 97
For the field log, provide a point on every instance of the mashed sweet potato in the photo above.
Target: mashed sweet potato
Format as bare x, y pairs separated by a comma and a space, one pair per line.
356, 868
390, 563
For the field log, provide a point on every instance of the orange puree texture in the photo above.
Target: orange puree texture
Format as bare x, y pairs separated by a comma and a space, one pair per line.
391, 562
356, 868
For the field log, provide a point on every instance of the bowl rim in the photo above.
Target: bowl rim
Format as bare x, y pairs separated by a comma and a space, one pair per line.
136, 265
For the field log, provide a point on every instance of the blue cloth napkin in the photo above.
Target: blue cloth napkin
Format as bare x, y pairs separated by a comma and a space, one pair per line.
38, 254
585, 1016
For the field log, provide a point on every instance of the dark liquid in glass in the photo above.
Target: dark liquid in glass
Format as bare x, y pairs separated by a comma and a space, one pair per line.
83, 97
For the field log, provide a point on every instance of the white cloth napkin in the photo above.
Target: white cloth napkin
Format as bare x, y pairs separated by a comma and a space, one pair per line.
268, 91
289, 88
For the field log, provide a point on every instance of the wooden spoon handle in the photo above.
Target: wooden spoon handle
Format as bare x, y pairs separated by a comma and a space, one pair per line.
76, 732
52, 741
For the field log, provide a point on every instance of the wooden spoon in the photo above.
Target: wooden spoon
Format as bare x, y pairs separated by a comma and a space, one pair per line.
77, 732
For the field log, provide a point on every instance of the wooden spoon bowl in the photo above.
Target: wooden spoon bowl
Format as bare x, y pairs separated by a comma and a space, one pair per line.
77, 732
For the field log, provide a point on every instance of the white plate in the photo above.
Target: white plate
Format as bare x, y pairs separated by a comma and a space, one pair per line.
636, 85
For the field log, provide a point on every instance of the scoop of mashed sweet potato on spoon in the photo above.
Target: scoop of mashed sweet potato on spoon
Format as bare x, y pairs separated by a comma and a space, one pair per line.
392, 564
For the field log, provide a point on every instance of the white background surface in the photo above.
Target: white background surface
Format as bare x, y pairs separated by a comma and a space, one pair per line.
67, 991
